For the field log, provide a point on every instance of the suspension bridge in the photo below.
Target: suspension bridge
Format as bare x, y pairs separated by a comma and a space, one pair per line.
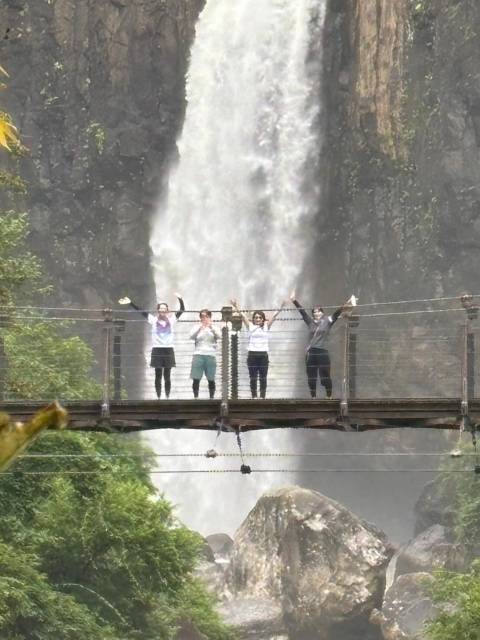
394, 364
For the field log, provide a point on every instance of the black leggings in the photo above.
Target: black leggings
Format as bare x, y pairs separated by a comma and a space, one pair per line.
158, 381
318, 364
257, 362
196, 388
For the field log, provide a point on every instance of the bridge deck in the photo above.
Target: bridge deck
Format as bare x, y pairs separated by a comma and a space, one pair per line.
363, 415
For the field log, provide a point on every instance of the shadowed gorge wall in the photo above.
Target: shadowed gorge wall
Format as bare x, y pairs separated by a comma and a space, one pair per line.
402, 211
97, 90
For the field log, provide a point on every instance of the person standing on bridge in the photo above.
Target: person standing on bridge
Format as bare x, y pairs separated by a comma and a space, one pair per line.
317, 359
257, 359
162, 357
206, 336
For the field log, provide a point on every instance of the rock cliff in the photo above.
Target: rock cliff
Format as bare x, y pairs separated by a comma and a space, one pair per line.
97, 90
401, 213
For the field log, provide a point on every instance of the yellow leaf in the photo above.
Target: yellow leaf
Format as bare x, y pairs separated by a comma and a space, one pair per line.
8, 133
4, 72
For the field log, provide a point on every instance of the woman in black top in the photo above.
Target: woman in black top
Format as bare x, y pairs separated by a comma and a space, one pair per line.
317, 360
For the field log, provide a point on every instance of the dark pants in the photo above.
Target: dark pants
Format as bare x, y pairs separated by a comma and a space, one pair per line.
257, 362
158, 381
196, 388
318, 365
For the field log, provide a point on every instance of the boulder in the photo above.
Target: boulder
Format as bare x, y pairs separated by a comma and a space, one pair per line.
434, 506
406, 608
323, 567
431, 549
256, 618
221, 545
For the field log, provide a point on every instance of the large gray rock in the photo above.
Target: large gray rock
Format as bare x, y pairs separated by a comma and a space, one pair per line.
321, 565
432, 549
434, 507
256, 618
221, 545
406, 608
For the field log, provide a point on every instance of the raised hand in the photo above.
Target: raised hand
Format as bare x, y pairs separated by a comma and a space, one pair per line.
124, 300
292, 295
178, 295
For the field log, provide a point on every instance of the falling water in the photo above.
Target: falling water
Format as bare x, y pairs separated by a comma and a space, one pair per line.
238, 216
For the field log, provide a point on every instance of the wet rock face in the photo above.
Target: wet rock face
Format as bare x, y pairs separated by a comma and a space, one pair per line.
97, 90
401, 181
257, 618
431, 550
406, 608
311, 557
434, 507
220, 544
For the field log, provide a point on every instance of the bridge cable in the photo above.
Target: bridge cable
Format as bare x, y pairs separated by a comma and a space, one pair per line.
20, 474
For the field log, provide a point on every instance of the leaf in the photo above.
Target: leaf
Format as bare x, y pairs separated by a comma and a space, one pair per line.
8, 133
4, 72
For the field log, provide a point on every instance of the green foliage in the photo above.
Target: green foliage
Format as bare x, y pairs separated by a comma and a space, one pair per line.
31, 609
459, 595
12, 183
96, 133
42, 363
197, 607
463, 492
19, 268
103, 537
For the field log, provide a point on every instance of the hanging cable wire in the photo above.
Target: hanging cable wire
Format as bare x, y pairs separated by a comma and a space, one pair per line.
266, 454
218, 471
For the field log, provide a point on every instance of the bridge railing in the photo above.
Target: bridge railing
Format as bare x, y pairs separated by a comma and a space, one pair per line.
105, 355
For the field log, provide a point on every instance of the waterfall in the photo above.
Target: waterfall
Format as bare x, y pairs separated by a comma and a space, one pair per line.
238, 216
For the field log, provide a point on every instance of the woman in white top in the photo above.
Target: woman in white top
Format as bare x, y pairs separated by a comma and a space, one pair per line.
257, 359
162, 324
204, 361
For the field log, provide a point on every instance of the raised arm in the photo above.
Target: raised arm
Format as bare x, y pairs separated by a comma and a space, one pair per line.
275, 315
244, 316
144, 313
306, 318
338, 312
182, 306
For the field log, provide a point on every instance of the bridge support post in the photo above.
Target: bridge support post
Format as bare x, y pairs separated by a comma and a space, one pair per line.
3, 360
468, 357
349, 386
107, 361
225, 363
117, 358
234, 365
353, 322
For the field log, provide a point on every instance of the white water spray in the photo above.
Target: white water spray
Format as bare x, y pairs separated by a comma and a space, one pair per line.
238, 216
